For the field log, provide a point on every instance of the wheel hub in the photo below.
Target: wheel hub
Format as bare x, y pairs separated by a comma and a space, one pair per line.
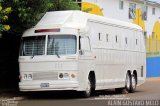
88, 90
133, 82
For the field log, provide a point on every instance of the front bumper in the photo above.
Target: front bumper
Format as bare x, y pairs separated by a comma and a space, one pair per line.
53, 85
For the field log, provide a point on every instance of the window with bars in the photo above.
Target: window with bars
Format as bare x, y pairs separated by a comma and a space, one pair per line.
153, 11
144, 12
34, 45
121, 3
132, 10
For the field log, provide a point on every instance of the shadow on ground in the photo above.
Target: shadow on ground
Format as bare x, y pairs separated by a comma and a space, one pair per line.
53, 94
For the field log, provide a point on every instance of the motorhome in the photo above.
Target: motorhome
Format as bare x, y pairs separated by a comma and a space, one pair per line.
74, 50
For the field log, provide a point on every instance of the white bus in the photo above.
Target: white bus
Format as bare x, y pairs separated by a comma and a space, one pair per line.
73, 50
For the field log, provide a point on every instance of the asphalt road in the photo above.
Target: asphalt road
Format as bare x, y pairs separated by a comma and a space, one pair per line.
146, 94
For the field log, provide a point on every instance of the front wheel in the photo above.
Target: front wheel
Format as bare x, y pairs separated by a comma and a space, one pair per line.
128, 82
87, 92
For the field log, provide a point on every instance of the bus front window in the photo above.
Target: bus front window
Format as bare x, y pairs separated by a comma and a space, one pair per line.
33, 45
56, 45
61, 45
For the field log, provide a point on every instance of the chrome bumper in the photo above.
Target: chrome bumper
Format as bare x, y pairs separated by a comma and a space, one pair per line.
53, 85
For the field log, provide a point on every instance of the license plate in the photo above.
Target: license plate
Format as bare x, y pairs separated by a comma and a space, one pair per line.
44, 85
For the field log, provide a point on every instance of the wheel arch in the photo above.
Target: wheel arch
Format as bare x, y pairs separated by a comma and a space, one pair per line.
129, 72
93, 79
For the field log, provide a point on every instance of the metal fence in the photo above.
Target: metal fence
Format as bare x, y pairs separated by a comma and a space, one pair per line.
152, 47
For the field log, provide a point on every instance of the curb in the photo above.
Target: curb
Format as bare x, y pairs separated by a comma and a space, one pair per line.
153, 79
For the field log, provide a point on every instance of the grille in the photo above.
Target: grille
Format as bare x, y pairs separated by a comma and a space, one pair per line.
45, 76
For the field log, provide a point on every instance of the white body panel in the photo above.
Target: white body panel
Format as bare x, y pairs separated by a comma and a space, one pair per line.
110, 9
109, 60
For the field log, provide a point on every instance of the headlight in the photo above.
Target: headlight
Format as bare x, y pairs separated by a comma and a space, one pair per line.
73, 75
63, 75
67, 75
27, 76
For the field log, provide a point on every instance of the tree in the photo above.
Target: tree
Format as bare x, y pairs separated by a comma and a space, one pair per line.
64, 5
26, 13
4, 17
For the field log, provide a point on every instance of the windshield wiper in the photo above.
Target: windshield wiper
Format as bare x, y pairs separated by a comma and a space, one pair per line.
33, 55
56, 50
57, 55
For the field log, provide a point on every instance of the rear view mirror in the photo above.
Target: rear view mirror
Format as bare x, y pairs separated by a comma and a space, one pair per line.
81, 52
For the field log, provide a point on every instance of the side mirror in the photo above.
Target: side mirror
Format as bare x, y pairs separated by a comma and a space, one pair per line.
81, 52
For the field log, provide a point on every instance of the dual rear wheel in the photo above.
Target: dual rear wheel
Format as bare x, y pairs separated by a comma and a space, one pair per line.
131, 83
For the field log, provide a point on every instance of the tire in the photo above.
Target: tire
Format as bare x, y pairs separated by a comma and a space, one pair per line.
133, 83
87, 92
128, 83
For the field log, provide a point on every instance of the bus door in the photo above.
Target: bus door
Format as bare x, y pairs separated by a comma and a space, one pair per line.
85, 57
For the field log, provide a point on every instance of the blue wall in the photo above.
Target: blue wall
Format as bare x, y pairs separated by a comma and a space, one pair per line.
153, 67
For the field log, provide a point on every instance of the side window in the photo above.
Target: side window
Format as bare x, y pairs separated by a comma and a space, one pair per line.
116, 39
145, 33
136, 41
100, 36
126, 40
121, 4
153, 11
107, 38
132, 10
85, 44
144, 12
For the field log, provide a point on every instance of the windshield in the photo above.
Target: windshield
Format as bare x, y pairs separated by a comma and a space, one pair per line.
61, 45
56, 45
34, 45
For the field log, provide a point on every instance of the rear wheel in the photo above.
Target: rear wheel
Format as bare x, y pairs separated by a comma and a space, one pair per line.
128, 82
133, 83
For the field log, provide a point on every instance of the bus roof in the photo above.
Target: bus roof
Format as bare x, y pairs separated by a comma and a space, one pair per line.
78, 19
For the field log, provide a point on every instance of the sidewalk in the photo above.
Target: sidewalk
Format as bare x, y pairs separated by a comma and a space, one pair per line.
153, 79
